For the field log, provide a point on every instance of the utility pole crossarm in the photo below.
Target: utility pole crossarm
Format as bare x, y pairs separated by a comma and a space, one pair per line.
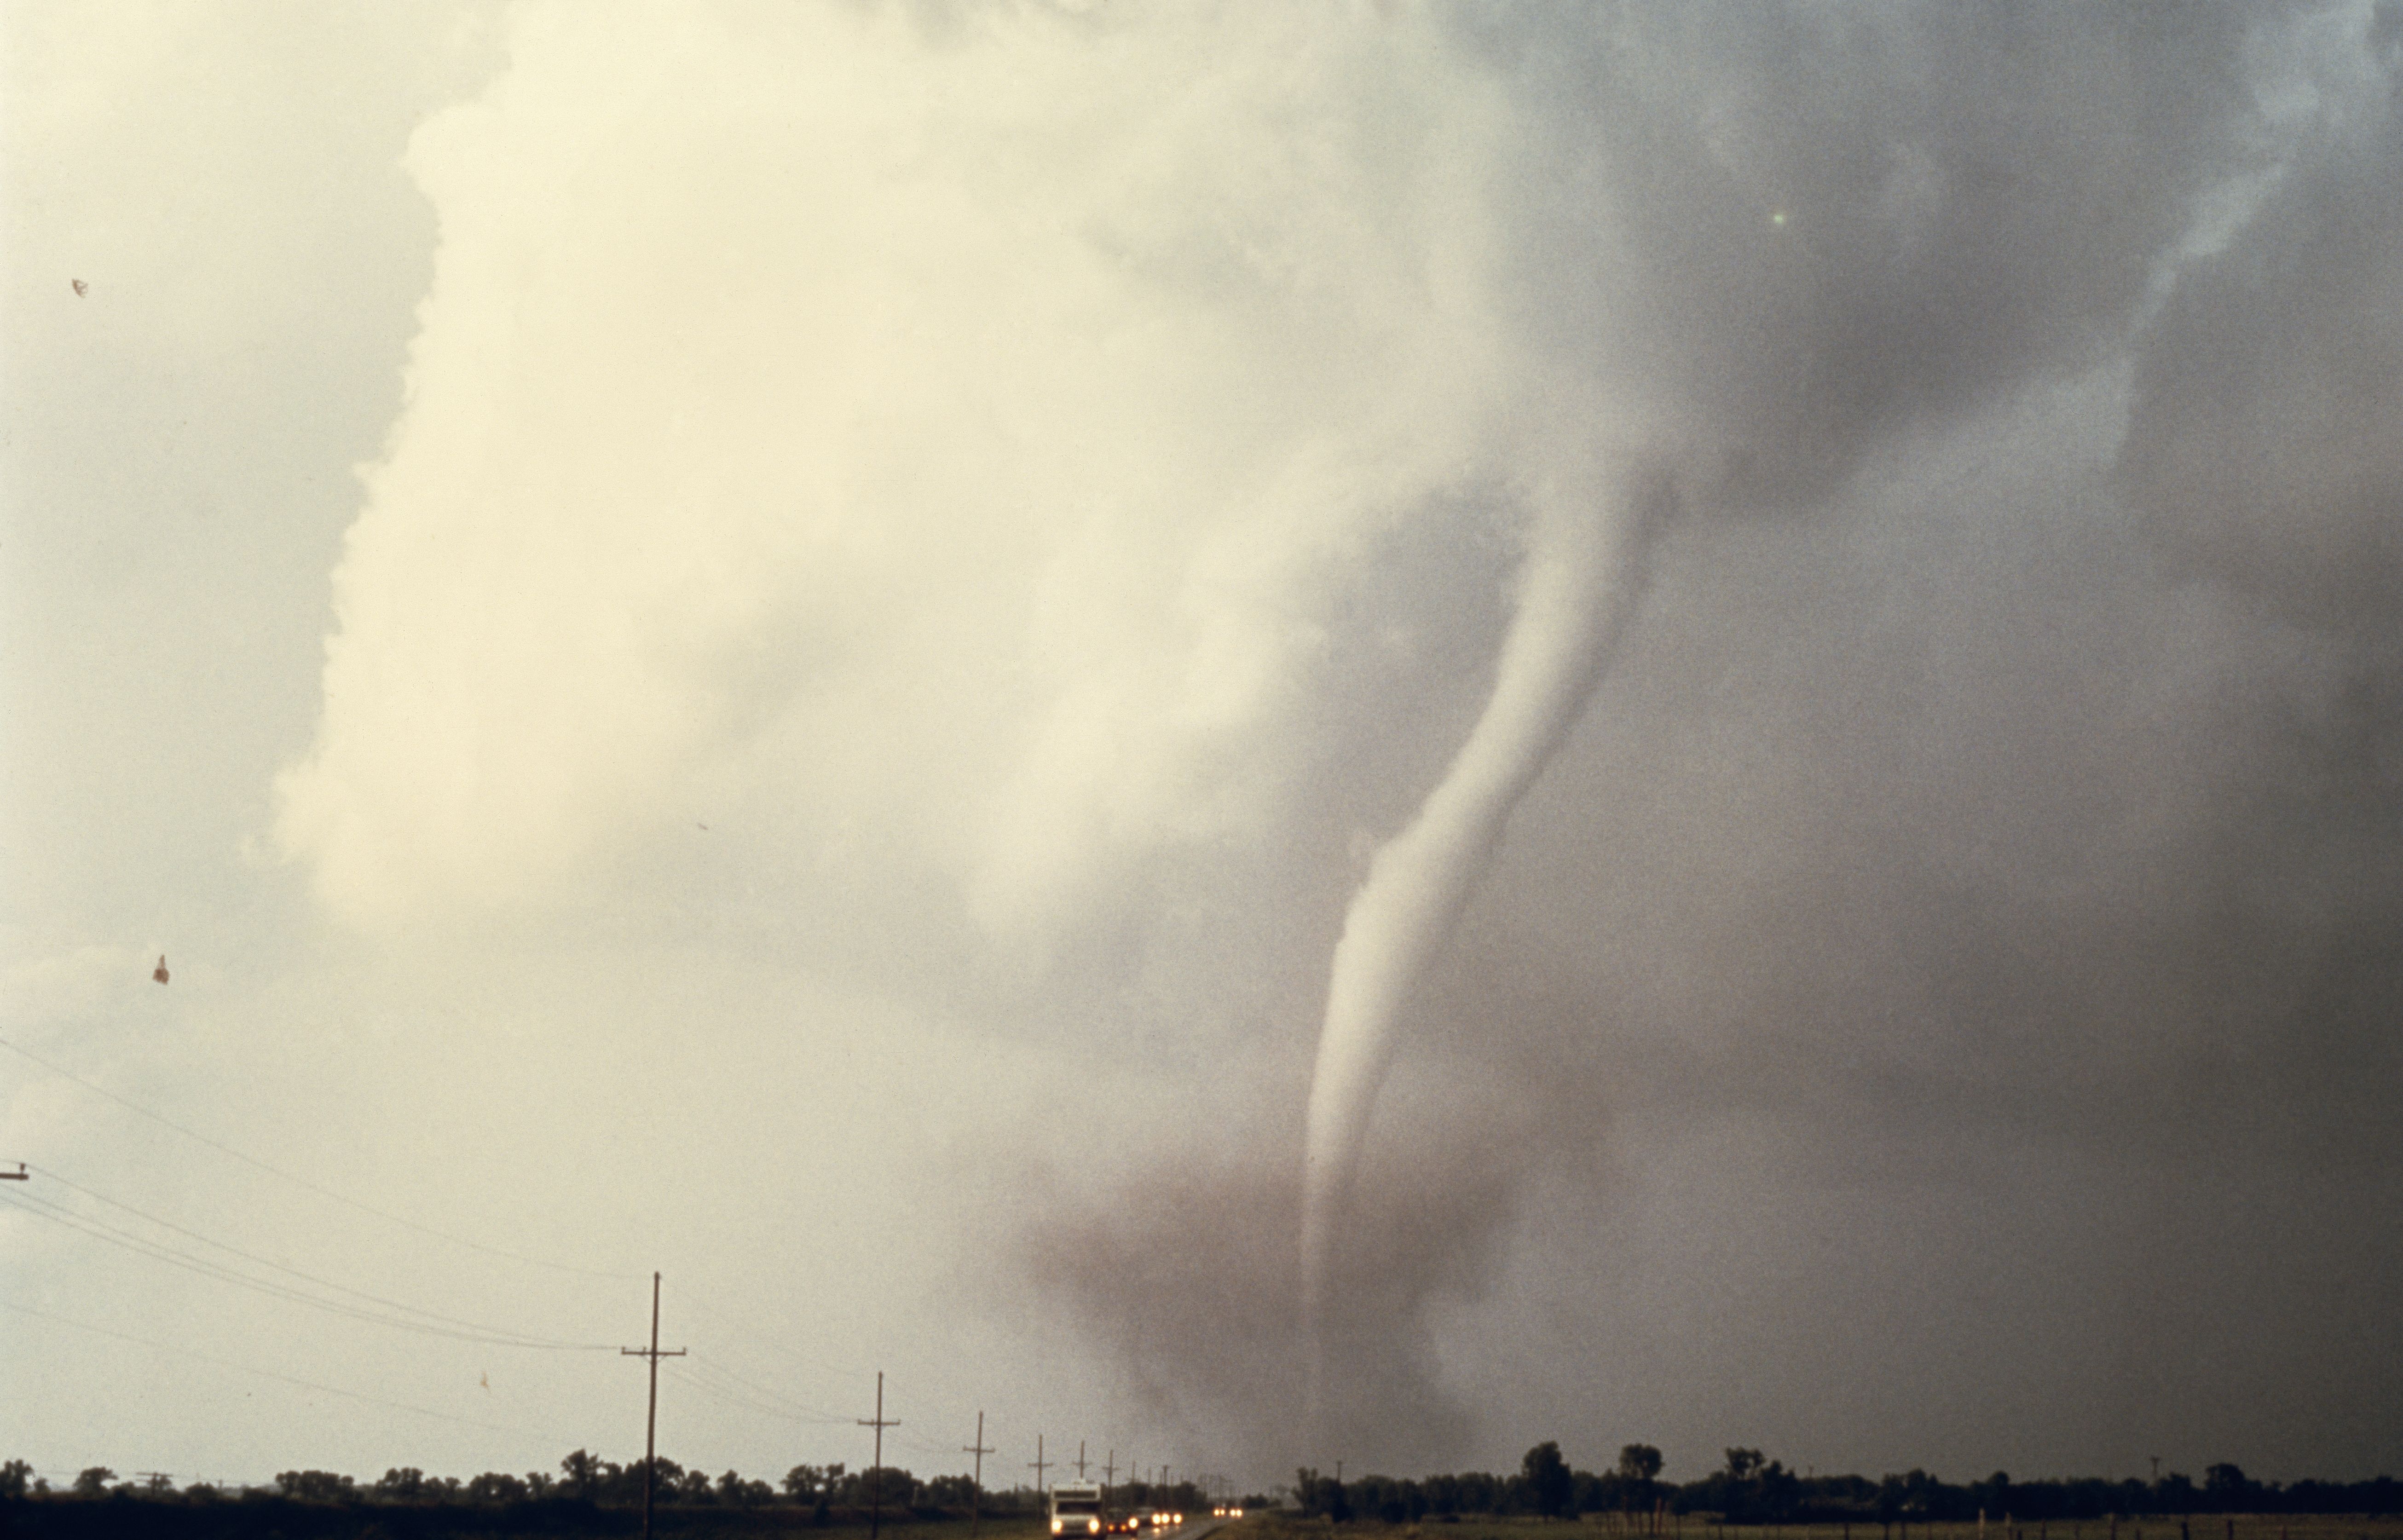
975, 1502
651, 1421
876, 1471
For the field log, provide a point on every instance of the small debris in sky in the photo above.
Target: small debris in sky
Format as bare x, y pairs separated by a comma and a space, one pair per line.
159, 973
79, 288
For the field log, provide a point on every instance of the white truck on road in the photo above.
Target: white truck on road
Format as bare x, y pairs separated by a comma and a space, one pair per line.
1076, 1510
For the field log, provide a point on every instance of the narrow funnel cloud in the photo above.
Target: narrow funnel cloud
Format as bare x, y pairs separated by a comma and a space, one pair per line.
1583, 567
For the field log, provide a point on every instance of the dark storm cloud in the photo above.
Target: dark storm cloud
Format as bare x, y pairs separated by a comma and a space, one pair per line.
2264, 455
2264, 449
1187, 1278
1808, 225
1955, 831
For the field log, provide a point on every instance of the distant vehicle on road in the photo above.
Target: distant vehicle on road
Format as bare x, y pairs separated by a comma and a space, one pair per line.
1076, 1510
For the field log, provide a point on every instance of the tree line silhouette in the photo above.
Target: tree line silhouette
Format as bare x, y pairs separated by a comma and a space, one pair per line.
585, 1486
1751, 1489
591, 1494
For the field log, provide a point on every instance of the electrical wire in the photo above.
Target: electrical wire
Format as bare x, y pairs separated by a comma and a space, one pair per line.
304, 1182
801, 1411
686, 1297
938, 1450
809, 1413
113, 1235
269, 1374
703, 1373
486, 1332
726, 1397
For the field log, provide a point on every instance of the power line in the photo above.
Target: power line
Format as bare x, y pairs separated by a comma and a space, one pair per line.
764, 1339
920, 1446
201, 1265
304, 1182
809, 1413
725, 1396
474, 1331
269, 1374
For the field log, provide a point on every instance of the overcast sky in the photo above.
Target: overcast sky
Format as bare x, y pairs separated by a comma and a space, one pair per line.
767, 641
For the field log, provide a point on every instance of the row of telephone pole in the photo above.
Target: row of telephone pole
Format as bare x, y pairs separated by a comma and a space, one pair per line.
878, 1422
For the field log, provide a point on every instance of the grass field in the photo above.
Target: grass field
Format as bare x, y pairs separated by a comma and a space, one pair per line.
236, 1520
1701, 1527
239, 1521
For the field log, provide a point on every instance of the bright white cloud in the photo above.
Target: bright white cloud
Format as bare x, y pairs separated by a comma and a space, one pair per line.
959, 435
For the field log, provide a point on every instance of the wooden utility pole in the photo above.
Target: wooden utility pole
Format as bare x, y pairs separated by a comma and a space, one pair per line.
651, 1417
1080, 1459
17, 1175
975, 1500
1110, 1469
876, 1471
1039, 1463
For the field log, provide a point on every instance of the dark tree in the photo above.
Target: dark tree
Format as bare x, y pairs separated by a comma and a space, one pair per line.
803, 1482
1639, 1464
405, 1485
1547, 1478
1316, 1494
583, 1473
735, 1492
951, 1492
316, 1486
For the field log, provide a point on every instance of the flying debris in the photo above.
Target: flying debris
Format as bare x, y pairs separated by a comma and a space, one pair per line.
78, 286
159, 973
